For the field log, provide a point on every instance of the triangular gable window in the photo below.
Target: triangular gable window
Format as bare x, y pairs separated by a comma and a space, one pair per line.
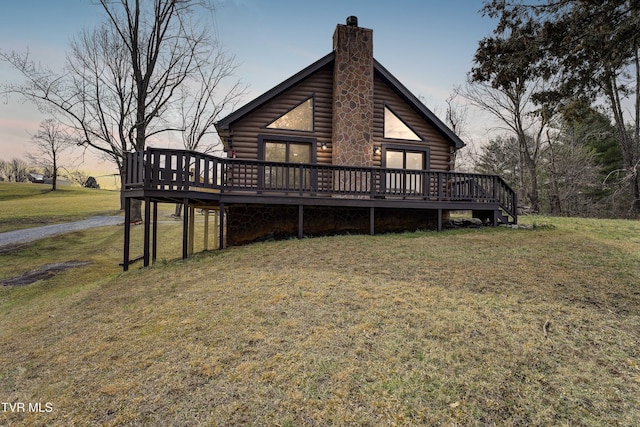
299, 117
395, 128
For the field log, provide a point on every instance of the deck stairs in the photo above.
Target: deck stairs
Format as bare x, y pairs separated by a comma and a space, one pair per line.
504, 214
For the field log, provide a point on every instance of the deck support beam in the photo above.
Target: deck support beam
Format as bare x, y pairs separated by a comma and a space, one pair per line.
147, 231
127, 233
221, 224
206, 229
439, 225
372, 221
185, 228
192, 220
154, 238
216, 223
300, 221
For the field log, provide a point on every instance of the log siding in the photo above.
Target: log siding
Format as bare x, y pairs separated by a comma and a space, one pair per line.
439, 147
245, 132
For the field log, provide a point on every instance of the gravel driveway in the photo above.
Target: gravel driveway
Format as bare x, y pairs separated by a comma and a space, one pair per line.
30, 234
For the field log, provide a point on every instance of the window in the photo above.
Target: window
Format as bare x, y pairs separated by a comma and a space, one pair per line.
395, 128
277, 176
285, 151
298, 118
408, 159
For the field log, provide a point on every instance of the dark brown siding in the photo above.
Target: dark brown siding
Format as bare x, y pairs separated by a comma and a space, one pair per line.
439, 147
319, 85
246, 130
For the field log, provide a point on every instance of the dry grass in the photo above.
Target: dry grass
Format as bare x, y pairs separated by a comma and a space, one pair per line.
408, 329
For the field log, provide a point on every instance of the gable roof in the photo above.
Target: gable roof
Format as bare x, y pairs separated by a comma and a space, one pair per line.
222, 126
412, 100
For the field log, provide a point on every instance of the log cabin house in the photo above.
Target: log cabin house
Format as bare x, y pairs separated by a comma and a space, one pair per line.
341, 146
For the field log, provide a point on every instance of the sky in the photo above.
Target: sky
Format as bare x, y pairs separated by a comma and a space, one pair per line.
427, 44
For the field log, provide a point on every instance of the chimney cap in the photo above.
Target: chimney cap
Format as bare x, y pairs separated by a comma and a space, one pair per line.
352, 21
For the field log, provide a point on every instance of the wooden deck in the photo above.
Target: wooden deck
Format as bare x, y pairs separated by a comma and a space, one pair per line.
206, 181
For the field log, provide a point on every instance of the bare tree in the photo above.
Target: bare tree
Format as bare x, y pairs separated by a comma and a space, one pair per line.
457, 114
124, 78
498, 157
571, 173
77, 176
14, 170
456, 117
513, 107
201, 104
50, 141
578, 47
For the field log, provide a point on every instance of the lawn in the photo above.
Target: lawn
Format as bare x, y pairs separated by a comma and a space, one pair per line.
27, 205
470, 327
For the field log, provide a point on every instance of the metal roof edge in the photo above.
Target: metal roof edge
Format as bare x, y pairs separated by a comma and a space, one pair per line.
223, 124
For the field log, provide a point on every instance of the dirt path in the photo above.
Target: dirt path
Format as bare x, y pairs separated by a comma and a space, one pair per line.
43, 273
17, 237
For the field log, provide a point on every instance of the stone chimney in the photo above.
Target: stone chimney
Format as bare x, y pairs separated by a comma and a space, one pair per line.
353, 95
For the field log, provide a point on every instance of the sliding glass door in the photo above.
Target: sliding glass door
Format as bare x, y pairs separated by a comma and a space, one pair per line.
405, 181
290, 176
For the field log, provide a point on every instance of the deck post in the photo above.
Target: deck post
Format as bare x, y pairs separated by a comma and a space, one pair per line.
372, 220
127, 233
221, 224
300, 221
206, 229
163, 176
216, 222
154, 239
185, 228
192, 220
147, 229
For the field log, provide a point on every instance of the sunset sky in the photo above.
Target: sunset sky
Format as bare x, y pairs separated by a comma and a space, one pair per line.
427, 44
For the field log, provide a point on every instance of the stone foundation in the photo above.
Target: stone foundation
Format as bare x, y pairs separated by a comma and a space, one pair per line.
251, 223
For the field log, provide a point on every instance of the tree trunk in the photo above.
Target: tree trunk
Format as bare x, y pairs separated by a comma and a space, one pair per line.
554, 199
626, 142
636, 131
122, 181
178, 210
554, 195
530, 167
554, 192
635, 193
533, 196
136, 205
55, 175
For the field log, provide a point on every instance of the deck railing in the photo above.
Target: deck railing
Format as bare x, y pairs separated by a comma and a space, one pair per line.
169, 169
